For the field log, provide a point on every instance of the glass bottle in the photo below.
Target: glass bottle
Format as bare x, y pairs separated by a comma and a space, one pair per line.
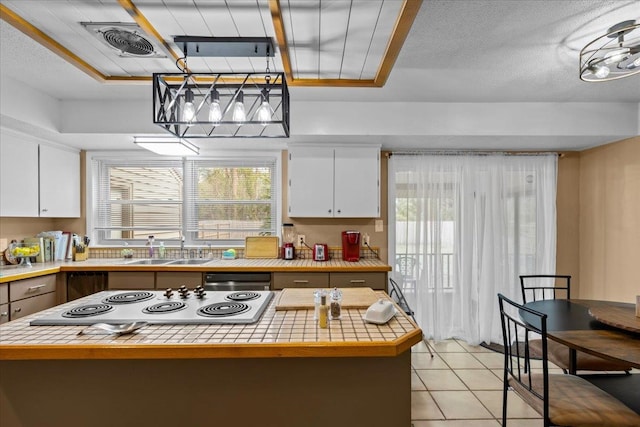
323, 312
335, 304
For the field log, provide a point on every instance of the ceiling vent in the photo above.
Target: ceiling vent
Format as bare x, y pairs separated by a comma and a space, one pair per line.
125, 38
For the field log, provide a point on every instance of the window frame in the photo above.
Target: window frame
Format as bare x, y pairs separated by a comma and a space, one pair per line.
92, 206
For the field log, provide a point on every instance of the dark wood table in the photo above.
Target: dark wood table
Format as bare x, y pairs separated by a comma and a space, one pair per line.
570, 323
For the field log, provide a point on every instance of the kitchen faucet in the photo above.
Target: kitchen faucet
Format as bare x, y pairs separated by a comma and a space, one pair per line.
182, 247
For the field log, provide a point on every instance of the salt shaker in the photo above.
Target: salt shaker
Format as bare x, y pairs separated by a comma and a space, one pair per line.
335, 305
317, 295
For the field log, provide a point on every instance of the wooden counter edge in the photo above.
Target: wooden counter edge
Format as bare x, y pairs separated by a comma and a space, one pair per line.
212, 351
12, 277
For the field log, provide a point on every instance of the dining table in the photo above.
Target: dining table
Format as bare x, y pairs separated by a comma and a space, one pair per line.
571, 322
605, 329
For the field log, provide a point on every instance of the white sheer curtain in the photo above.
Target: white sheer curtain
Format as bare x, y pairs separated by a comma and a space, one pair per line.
466, 226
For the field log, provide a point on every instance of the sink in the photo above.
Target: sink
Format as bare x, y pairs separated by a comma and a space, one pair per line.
192, 261
149, 262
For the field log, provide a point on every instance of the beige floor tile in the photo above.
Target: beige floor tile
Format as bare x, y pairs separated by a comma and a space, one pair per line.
416, 383
516, 407
423, 407
420, 348
474, 348
491, 360
479, 379
461, 360
460, 405
440, 379
425, 361
457, 423
448, 346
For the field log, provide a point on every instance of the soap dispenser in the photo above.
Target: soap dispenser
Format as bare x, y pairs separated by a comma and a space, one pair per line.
150, 244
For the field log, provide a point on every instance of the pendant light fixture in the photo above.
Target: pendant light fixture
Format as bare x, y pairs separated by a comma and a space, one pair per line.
188, 109
215, 112
236, 105
264, 111
612, 56
239, 113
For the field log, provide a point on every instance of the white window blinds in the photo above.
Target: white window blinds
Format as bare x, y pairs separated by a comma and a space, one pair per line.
217, 201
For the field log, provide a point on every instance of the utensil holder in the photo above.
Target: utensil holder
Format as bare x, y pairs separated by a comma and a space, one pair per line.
81, 256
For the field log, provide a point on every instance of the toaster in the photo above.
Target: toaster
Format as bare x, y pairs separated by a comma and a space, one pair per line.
320, 252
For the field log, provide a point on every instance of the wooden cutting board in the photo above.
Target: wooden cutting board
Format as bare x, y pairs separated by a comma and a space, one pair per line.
302, 298
261, 247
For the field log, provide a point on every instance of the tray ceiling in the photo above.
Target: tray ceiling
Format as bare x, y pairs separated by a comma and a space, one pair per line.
319, 43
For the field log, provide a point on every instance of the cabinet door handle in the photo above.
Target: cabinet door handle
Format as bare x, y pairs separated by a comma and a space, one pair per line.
357, 281
45, 210
17, 310
329, 210
339, 211
35, 288
300, 281
4, 314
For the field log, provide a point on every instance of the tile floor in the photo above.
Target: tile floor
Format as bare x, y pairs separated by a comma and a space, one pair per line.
462, 386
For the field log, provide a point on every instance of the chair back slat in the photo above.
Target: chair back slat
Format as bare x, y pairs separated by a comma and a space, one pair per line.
545, 286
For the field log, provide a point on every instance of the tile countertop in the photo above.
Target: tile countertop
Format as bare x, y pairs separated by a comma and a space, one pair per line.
11, 273
291, 333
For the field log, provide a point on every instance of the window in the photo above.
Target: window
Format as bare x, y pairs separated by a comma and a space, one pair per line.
211, 201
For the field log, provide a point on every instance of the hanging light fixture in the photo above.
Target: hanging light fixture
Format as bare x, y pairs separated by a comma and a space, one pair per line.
613, 55
188, 109
215, 112
239, 113
167, 146
240, 105
264, 111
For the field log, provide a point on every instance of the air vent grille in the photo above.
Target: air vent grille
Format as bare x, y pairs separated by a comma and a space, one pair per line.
126, 38
128, 42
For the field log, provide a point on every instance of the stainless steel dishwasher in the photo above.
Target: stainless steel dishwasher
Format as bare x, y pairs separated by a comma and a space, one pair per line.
237, 281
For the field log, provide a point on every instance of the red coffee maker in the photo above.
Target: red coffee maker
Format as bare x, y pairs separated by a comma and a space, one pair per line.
351, 246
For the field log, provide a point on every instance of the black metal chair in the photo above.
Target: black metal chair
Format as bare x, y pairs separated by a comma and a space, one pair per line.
407, 265
562, 400
396, 294
544, 286
532, 290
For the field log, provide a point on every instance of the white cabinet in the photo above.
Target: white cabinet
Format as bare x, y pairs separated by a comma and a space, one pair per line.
38, 180
59, 183
334, 182
18, 177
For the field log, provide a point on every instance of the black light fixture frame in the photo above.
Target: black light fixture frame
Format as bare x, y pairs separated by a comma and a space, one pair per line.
169, 91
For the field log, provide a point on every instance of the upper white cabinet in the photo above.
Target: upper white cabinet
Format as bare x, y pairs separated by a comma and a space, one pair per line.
38, 180
18, 177
334, 182
59, 183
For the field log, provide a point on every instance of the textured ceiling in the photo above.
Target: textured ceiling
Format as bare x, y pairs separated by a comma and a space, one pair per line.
475, 51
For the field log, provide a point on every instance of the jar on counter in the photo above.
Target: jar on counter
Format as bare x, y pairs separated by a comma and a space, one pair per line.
335, 304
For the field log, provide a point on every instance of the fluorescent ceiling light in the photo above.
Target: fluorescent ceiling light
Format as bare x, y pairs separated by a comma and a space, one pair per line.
167, 146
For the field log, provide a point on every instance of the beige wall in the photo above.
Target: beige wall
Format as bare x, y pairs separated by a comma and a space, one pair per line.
610, 221
568, 218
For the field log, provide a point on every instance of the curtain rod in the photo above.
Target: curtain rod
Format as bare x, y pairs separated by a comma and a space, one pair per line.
471, 153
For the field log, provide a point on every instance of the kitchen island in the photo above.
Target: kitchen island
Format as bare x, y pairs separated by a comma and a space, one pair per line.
280, 371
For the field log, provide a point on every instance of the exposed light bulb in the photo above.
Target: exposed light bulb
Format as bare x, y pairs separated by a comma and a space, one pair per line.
215, 112
264, 111
239, 115
601, 71
188, 109
616, 55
